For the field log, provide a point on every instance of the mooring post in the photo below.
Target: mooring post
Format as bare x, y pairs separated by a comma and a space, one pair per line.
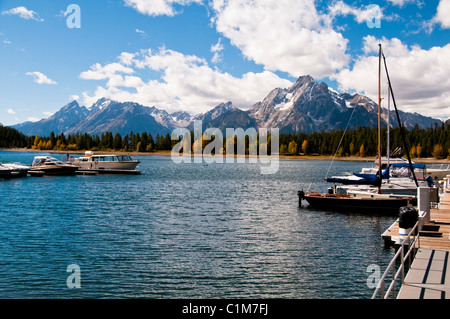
423, 204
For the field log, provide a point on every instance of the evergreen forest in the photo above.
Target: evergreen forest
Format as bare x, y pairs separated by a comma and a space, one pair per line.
362, 142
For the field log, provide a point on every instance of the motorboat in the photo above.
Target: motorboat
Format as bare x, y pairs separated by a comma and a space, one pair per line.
438, 173
13, 170
105, 164
47, 165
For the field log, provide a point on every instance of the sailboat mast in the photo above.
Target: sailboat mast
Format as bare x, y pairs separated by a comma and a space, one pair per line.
379, 115
411, 167
388, 150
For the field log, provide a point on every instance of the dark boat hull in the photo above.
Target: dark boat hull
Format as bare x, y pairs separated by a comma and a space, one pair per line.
355, 204
13, 174
53, 171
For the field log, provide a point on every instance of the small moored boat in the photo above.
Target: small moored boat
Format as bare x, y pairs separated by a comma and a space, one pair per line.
13, 170
47, 165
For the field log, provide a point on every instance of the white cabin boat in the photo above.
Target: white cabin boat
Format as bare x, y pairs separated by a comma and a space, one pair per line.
106, 163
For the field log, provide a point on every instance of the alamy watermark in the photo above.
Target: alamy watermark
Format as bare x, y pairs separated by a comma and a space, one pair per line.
73, 14
240, 145
374, 20
375, 276
74, 279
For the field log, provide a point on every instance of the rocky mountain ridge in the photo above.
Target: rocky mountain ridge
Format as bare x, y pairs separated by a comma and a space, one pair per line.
306, 106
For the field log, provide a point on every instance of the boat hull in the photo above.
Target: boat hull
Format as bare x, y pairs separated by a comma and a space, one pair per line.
108, 171
8, 171
53, 171
343, 202
8, 174
105, 166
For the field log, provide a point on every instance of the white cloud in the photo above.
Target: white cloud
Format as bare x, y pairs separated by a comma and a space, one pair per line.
158, 7
419, 77
111, 72
443, 14
33, 119
40, 78
142, 33
401, 3
187, 83
74, 97
362, 15
217, 49
23, 13
10, 111
284, 35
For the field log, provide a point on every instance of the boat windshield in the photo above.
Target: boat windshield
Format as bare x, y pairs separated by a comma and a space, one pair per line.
43, 160
125, 158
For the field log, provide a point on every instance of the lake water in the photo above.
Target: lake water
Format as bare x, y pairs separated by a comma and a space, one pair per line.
184, 231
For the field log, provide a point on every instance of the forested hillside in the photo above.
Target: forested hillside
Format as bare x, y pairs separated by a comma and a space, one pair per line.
432, 142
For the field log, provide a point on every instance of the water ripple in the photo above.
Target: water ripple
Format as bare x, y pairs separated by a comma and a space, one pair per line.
183, 231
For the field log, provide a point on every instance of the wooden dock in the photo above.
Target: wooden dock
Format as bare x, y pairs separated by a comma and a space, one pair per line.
435, 234
429, 274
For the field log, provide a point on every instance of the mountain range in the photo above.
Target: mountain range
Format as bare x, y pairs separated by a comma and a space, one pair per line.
307, 106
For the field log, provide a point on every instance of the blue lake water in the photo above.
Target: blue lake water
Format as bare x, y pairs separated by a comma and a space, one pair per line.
184, 231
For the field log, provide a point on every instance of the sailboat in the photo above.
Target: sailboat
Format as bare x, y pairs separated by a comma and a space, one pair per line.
363, 201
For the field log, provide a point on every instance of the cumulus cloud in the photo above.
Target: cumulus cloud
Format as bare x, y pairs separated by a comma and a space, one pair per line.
10, 111
158, 7
362, 15
285, 35
111, 72
419, 77
443, 14
186, 82
23, 13
40, 78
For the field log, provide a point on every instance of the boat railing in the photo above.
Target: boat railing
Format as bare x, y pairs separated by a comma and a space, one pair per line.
405, 254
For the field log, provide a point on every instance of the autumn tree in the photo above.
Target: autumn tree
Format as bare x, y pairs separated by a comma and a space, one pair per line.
362, 151
305, 147
292, 148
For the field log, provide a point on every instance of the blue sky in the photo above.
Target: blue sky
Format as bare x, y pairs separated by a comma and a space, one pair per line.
192, 55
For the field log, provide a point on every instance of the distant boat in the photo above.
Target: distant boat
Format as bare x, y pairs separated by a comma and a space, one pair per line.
47, 165
106, 164
13, 170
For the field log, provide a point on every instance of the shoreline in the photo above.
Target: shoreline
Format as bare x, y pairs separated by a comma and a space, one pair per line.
294, 157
